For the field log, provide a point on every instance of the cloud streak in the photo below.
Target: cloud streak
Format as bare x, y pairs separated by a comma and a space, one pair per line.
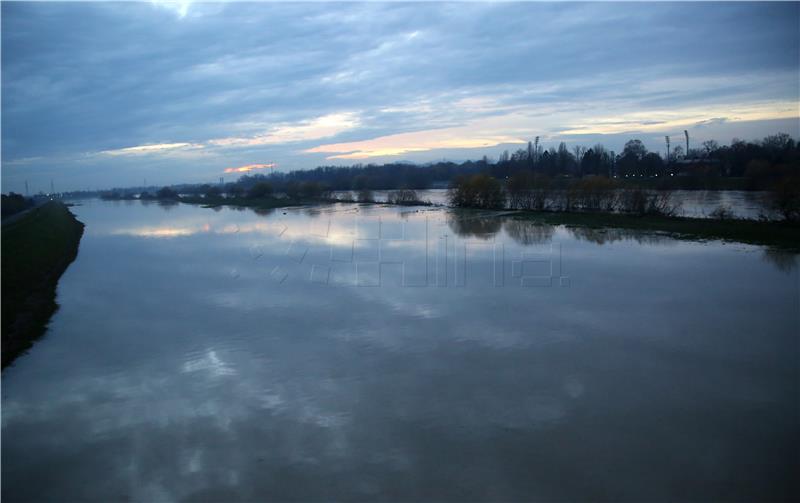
250, 167
418, 141
150, 149
314, 129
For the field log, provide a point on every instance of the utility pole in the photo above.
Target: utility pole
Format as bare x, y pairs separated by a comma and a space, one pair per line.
52, 190
687, 142
27, 192
667, 138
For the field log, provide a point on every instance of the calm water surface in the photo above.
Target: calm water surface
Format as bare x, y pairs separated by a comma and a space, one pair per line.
378, 353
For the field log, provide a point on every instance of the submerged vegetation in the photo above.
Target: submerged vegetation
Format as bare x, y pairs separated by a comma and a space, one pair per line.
540, 193
36, 250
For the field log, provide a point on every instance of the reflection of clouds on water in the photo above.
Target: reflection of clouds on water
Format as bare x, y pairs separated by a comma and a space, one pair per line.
209, 362
573, 387
249, 389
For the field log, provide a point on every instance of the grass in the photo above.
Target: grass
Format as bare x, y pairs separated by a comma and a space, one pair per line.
36, 250
782, 235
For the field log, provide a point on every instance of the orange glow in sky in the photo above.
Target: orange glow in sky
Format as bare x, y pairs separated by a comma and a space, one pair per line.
249, 167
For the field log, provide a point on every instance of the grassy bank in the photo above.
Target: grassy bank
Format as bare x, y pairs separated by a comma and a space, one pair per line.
36, 250
776, 234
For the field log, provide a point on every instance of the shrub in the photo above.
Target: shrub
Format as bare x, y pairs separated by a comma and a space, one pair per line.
643, 202
213, 192
722, 213
595, 193
527, 191
365, 196
785, 198
476, 191
403, 196
260, 190
166, 193
235, 191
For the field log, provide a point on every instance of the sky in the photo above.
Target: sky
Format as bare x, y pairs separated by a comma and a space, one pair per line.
109, 94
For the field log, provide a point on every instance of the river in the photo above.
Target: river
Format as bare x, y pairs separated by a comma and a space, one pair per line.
350, 352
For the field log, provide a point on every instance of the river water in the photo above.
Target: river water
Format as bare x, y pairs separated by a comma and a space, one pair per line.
369, 353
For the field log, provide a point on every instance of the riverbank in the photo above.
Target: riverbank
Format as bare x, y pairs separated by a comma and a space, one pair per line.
36, 250
783, 235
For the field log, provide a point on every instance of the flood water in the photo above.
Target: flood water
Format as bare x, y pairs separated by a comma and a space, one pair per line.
751, 205
377, 353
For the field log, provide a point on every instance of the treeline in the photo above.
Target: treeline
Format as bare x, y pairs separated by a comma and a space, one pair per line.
14, 203
753, 165
535, 178
369, 177
525, 190
773, 157
528, 191
759, 164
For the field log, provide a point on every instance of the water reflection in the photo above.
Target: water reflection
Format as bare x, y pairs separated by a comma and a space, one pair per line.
603, 236
783, 260
527, 233
473, 224
364, 353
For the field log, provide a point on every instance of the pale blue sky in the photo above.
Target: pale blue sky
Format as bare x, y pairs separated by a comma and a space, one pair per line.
108, 94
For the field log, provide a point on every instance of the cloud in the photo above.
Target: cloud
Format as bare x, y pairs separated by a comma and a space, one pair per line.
179, 7
418, 141
150, 149
250, 167
320, 127
666, 120
206, 86
313, 129
712, 121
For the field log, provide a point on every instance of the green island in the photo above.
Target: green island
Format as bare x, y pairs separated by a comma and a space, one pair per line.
36, 250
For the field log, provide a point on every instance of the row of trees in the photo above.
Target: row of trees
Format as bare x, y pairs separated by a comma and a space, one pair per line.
528, 191
771, 157
761, 162
747, 165
526, 178
531, 191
